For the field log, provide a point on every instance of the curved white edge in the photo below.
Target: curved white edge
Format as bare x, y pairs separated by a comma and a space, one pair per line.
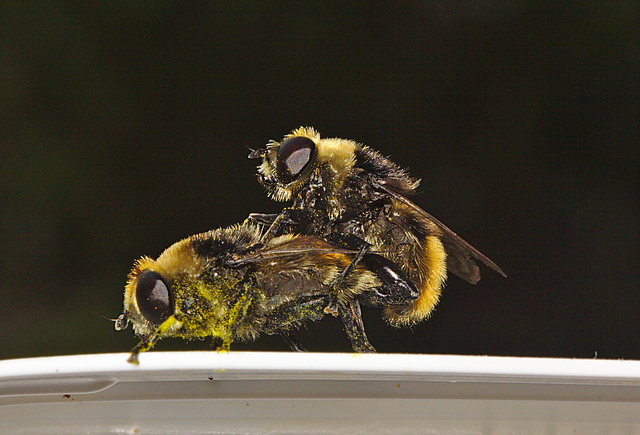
258, 393
288, 365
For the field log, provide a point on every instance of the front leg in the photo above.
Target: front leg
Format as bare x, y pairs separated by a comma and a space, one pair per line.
288, 221
148, 342
263, 219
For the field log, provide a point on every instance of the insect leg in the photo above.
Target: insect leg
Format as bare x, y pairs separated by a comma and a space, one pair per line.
288, 315
396, 288
349, 241
237, 314
291, 340
288, 221
352, 319
148, 342
352, 240
264, 219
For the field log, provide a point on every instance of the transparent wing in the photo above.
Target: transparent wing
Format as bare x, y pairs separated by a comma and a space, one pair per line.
460, 254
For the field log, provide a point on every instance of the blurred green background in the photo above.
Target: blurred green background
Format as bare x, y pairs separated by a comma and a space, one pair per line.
124, 127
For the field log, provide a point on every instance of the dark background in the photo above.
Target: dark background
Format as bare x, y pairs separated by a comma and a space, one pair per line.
125, 125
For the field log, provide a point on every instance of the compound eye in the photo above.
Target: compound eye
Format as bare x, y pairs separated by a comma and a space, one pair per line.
295, 155
154, 298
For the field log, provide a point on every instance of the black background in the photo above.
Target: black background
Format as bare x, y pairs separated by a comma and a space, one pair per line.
125, 125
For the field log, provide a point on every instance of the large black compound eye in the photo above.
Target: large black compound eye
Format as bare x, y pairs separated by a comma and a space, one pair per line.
295, 155
154, 297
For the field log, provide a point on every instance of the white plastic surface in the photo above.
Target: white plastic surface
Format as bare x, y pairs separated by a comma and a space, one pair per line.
251, 392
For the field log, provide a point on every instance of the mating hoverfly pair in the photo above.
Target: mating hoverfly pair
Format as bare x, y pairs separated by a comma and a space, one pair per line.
350, 238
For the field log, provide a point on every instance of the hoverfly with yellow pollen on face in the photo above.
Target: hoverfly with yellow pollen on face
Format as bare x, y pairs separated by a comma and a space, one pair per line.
232, 284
